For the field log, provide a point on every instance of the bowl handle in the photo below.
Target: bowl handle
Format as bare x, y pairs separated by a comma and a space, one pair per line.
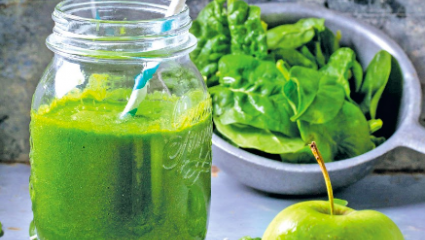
412, 136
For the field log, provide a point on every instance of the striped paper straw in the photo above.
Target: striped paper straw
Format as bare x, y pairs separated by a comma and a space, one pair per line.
140, 90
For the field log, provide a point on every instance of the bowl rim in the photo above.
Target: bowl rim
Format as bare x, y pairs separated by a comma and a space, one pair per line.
411, 93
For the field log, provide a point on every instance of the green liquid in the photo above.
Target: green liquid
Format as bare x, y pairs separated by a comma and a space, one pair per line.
94, 176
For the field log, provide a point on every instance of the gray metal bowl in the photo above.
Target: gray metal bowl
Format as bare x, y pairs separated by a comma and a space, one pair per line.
402, 105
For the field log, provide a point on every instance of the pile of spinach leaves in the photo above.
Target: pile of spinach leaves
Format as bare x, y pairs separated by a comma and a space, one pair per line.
277, 90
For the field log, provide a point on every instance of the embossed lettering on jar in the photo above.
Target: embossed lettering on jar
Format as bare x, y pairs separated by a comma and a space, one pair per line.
98, 170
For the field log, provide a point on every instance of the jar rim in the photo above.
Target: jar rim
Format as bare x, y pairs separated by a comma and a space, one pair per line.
91, 29
60, 12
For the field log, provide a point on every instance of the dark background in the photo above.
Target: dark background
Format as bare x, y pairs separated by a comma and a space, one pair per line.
25, 24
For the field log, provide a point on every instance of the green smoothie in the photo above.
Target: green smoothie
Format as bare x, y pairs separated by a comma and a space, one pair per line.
96, 176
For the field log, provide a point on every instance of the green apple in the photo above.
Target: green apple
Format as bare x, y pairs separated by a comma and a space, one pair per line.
322, 220
311, 220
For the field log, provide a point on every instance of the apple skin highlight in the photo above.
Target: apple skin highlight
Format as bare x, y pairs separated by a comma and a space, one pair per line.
311, 220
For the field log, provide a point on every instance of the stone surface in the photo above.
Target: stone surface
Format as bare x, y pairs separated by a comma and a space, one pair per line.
237, 210
24, 25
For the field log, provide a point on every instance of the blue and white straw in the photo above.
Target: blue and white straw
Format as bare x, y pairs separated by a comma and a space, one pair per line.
141, 81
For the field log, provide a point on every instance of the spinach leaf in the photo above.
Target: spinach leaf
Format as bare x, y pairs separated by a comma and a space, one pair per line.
377, 140
314, 97
358, 75
323, 115
248, 35
283, 67
346, 135
246, 136
212, 31
375, 125
313, 132
222, 31
301, 90
294, 35
294, 58
377, 75
279, 102
329, 100
250, 92
350, 130
338, 66
329, 42
307, 53
250, 238
301, 155
320, 58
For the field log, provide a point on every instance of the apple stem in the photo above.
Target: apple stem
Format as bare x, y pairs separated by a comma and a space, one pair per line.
319, 159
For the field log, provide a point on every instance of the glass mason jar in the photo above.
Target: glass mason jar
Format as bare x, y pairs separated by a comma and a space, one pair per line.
120, 127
